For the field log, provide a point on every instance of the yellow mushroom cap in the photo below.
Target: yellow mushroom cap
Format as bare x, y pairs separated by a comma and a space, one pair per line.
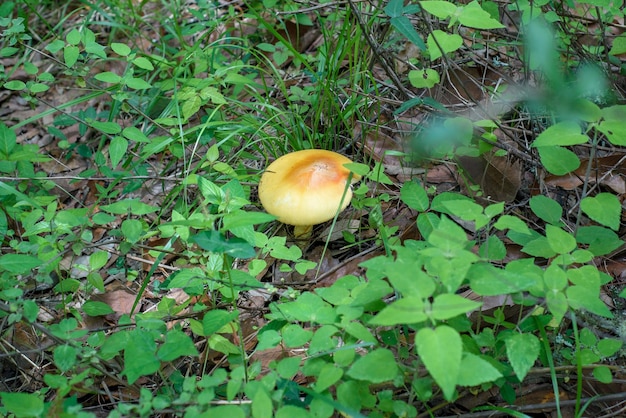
305, 187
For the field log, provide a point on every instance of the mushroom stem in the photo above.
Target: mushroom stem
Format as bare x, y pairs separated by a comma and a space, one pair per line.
302, 232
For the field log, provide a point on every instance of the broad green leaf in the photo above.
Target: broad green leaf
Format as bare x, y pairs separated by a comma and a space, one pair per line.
563, 134
308, 308
408, 310
377, 366
522, 351
441, 9
425, 78
117, 150
446, 306
135, 134
488, 280
557, 303
601, 240
555, 278
120, 49
512, 223
22, 404
108, 77
296, 336
603, 374
604, 208
558, 160
619, 45
329, 375
241, 218
612, 124
8, 140
73, 37
475, 371
140, 356
211, 191
394, 8
538, 247
19, 263
98, 259
143, 63
581, 297
137, 83
111, 128
65, 357
441, 43
70, 55
216, 319
132, 229
547, 209
177, 344
560, 241
414, 195
95, 308
441, 349
473, 16
289, 411
609, 346
15, 85
492, 249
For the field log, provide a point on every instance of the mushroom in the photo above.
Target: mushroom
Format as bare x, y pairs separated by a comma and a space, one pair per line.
305, 188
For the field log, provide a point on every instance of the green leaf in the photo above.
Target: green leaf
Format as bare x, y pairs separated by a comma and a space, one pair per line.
19, 263
446, 306
547, 209
139, 356
95, 308
22, 404
73, 37
425, 78
403, 25
216, 319
111, 128
329, 375
132, 229
475, 371
117, 150
120, 49
134, 134
296, 336
473, 16
492, 249
441, 9
377, 366
177, 344
8, 140
15, 85
558, 160
65, 357
441, 349
70, 55
108, 77
441, 43
308, 308
603, 374
608, 346
563, 134
408, 310
217, 242
619, 45
143, 63
522, 351
604, 208
580, 297
560, 241
601, 240
557, 303
137, 83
